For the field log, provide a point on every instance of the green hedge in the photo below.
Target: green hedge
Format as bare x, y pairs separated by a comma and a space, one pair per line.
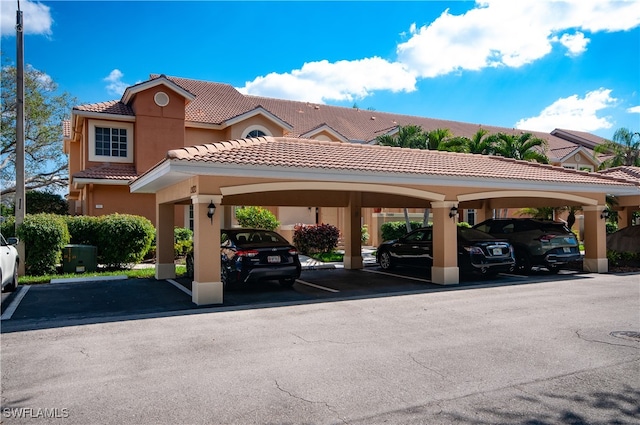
123, 239
397, 229
256, 218
44, 236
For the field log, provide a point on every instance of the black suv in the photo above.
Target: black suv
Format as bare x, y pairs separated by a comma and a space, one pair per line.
545, 243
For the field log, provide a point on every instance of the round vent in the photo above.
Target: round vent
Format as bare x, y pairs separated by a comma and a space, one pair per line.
161, 98
577, 157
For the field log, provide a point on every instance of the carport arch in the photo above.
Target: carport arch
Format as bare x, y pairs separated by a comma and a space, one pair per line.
349, 187
527, 194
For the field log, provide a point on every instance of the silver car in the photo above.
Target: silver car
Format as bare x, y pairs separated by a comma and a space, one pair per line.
9, 263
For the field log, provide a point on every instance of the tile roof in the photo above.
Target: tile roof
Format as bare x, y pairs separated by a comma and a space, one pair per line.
109, 172
624, 172
114, 107
292, 153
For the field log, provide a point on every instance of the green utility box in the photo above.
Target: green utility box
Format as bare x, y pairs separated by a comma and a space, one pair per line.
79, 258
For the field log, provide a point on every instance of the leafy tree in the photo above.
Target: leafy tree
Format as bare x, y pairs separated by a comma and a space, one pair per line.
624, 149
44, 111
525, 146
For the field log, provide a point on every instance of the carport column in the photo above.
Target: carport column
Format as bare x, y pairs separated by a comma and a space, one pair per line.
165, 266
207, 287
595, 240
483, 212
445, 244
353, 233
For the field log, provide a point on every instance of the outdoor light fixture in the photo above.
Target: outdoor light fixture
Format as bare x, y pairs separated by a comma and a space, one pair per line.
211, 210
605, 214
453, 212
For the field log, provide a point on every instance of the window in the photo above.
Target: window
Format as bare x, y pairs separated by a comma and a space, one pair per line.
256, 133
110, 141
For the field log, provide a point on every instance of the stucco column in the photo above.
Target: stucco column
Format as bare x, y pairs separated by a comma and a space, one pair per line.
352, 232
624, 217
206, 287
595, 240
445, 245
483, 212
165, 266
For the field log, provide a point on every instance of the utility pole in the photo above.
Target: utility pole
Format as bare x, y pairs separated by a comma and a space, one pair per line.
20, 201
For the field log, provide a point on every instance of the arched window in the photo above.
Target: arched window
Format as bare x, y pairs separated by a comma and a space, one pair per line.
256, 133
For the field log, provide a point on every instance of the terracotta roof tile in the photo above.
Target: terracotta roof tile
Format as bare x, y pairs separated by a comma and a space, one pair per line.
108, 172
303, 153
111, 107
624, 173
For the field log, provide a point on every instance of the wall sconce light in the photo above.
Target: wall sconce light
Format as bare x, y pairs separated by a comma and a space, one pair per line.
605, 214
211, 210
453, 212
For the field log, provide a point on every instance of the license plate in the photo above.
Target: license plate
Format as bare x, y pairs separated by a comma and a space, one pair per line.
566, 249
273, 259
497, 251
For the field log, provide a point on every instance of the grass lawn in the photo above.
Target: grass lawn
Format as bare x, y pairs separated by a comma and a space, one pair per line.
146, 273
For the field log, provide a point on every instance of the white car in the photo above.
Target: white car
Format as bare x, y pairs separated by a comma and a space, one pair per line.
9, 264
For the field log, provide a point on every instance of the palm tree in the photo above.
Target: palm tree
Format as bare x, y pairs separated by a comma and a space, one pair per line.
410, 136
441, 139
477, 144
624, 149
525, 147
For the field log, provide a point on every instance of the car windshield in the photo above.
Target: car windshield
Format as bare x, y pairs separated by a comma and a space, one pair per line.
263, 237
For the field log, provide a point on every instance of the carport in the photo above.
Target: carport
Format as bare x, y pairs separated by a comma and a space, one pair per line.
281, 171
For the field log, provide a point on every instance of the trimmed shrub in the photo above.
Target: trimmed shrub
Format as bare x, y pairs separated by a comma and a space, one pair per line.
315, 238
123, 239
397, 229
83, 229
183, 241
257, 218
44, 236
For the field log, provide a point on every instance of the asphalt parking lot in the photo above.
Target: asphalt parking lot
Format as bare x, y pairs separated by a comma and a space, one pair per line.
83, 302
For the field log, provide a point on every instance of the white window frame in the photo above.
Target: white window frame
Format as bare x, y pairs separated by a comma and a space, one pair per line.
110, 124
251, 128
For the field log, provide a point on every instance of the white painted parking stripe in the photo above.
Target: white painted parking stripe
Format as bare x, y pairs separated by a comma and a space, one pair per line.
324, 288
180, 287
22, 291
396, 275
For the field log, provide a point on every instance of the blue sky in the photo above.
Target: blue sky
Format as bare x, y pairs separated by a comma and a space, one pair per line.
530, 64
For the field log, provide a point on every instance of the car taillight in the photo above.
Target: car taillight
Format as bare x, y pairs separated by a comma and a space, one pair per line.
546, 238
246, 253
293, 251
474, 250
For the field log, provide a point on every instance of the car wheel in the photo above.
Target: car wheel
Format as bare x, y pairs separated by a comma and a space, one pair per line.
523, 262
553, 269
386, 263
288, 282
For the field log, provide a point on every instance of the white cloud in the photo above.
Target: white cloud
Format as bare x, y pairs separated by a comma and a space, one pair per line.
342, 80
576, 44
493, 33
116, 85
634, 110
36, 18
510, 33
573, 112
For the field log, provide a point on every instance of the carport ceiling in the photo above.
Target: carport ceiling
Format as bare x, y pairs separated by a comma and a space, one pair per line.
266, 170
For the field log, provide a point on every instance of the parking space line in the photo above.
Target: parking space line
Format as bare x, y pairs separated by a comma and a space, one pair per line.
22, 291
324, 288
397, 275
180, 287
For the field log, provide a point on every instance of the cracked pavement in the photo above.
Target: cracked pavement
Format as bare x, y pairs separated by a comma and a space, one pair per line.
543, 353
